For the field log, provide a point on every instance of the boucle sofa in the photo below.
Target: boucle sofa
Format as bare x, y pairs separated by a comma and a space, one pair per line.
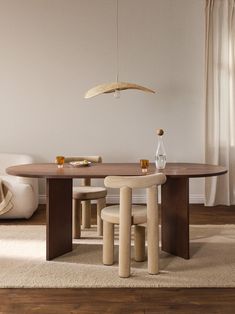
24, 190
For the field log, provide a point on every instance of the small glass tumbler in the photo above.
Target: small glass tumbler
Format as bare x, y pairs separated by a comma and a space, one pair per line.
144, 164
59, 160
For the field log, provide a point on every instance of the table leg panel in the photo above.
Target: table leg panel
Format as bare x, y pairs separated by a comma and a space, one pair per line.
175, 216
59, 217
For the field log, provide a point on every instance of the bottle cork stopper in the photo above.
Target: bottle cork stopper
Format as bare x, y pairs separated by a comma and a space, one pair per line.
160, 132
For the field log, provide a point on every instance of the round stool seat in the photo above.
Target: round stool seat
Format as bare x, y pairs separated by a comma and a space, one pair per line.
138, 214
89, 192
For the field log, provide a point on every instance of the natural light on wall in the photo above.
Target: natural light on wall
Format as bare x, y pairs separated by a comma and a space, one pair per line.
231, 88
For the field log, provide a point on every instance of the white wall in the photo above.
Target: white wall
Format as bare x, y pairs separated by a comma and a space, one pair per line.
52, 51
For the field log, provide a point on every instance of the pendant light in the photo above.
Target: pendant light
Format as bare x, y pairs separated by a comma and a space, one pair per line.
115, 87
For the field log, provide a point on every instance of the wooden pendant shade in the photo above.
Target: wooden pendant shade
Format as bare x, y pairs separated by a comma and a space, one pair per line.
112, 87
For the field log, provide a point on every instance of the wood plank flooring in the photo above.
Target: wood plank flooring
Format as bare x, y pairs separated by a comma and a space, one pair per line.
180, 301
167, 300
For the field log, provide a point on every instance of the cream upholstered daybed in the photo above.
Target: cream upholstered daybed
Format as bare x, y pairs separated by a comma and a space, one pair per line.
23, 191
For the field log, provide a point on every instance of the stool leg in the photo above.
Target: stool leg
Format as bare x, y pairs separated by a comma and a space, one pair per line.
101, 203
76, 219
86, 214
139, 243
125, 232
152, 231
108, 243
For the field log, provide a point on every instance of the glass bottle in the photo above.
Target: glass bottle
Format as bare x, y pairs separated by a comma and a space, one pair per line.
160, 157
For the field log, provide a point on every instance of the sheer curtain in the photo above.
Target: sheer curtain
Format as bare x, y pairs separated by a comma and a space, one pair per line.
220, 99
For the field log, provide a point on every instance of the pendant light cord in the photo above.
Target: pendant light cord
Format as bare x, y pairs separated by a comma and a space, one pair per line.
117, 44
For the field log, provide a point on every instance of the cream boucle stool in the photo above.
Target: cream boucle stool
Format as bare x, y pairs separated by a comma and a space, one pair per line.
87, 193
82, 196
126, 215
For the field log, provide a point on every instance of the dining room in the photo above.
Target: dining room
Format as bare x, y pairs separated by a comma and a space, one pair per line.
93, 93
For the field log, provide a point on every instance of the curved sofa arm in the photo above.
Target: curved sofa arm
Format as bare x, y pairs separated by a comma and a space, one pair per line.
10, 159
33, 182
24, 199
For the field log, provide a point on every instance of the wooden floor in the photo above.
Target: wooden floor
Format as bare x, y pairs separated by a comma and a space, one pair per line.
167, 300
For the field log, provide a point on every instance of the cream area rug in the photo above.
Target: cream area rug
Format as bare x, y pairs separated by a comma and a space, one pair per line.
23, 264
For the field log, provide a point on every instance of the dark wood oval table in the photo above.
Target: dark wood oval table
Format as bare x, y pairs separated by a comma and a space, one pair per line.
174, 199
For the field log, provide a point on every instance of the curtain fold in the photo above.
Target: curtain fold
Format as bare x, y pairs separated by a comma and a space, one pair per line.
220, 99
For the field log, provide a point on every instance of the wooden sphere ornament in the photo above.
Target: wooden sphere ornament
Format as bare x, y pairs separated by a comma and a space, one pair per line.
160, 132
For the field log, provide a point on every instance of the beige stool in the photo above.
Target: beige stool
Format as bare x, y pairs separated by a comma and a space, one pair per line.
86, 194
126, 215
82, 197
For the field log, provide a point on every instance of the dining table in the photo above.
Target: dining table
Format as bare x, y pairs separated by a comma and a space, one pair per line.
174, 199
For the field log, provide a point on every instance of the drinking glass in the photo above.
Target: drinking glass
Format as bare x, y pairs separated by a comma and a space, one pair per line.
144, 164
59, 160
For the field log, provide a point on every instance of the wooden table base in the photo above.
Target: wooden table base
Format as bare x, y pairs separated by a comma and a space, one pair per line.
175, 217
59, 217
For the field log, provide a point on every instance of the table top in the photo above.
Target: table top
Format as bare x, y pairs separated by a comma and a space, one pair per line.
102, 170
